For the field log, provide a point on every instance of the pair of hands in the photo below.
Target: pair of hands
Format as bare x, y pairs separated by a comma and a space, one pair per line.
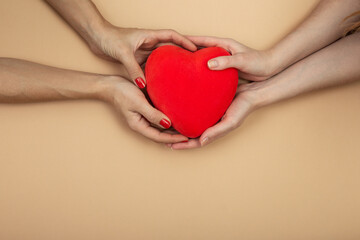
131, 47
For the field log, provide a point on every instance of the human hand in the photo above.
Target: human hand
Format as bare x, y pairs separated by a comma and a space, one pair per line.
132, 46
139, 114
246, 100
252, 64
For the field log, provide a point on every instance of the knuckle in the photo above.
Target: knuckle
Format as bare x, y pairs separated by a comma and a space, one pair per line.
238, 57
152, 117
225, 61
132, 125
233, 123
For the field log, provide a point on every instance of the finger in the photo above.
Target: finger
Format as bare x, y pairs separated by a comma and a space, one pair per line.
134, 70
171, 131
208, 41
252, 77
234, 116
217, 131
224, 62
175, 37
192, 143
154, 116
143, 127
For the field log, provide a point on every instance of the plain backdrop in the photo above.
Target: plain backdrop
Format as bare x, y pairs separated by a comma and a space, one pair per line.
74, 170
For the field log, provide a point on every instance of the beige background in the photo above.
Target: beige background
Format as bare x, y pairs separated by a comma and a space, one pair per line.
73, 170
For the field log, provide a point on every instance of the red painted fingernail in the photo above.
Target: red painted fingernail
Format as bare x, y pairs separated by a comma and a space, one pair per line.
184, 141
140, 82
165, 123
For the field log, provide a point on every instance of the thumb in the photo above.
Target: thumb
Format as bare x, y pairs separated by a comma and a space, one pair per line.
155, 116
223, 62
216, 131
134, 70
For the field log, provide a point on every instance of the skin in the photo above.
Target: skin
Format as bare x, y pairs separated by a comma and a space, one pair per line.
295, 65
311, 68
325, 24
129, 46
22, 82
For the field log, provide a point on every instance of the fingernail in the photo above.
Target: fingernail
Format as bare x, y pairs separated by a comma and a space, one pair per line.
184, 141
165, 123
212, 64
140, 82
204, 141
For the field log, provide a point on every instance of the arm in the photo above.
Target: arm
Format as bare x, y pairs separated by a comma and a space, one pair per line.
22, 81
321, 28
131, 47
334, 65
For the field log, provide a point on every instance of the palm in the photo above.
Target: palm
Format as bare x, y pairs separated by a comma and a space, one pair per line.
240, 107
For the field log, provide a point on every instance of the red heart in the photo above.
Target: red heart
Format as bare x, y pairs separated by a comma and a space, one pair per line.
181, 85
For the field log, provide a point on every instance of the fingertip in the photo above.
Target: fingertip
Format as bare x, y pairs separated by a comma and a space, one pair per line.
193, 47
213, 64
140, 82
165, 123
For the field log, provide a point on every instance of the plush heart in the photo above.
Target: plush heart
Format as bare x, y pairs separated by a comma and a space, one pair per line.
181, 85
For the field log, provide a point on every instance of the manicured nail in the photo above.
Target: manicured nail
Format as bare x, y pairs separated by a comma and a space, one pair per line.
204, 141
212, 64
184, 141
165, 123
140, 82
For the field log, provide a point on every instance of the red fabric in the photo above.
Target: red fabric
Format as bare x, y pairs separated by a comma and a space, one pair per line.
181, 85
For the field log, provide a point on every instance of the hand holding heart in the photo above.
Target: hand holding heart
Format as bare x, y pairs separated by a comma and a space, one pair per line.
242, 105
205, 96
183, 107
253, 65
181, 86
132, 46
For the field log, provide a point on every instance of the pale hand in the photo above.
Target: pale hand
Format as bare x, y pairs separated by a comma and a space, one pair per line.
252, 64
139, 114
132, 46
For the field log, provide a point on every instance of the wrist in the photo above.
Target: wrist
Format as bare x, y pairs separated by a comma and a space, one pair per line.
276, 61
256, 93
93, 32
106, 87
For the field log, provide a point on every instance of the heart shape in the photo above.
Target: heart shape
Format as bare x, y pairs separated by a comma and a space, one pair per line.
181, 85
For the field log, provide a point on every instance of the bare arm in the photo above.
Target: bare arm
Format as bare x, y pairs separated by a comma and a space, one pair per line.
334, 65
83, 16
23, 81
130, 46
322, 27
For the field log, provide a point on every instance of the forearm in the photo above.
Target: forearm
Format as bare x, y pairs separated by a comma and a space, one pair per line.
23, 81
333, 65
82, 15
322, 27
